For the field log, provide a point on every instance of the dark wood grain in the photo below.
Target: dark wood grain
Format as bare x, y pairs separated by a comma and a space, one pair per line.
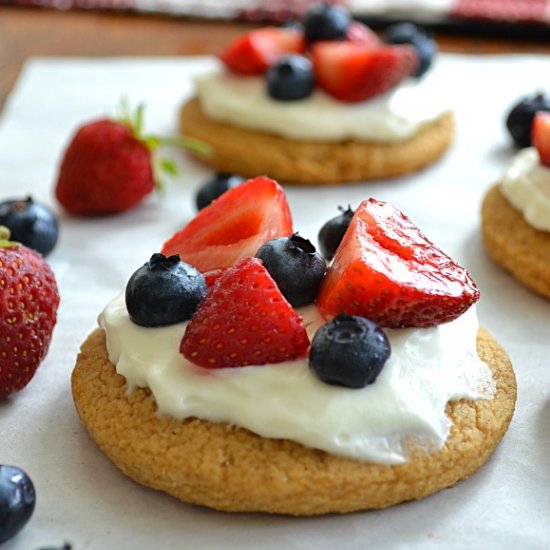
30, 32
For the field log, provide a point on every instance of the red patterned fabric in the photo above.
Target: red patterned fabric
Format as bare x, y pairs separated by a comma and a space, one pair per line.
280, 10
494, 11
503, 10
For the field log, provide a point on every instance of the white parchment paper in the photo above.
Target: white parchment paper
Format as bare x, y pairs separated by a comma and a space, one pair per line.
84, 500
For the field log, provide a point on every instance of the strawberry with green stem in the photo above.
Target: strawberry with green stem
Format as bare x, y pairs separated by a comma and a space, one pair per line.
111, 165
28, 313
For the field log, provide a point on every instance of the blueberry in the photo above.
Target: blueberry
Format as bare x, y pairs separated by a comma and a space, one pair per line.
216, 186
295, 266
331, 234
326, 22
164, 291
30, 223
290, 78
349, 351
17, 500
520, 118
409, 33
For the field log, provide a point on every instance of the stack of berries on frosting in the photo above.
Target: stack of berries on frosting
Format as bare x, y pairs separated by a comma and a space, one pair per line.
241, 370
516, 211
322, 101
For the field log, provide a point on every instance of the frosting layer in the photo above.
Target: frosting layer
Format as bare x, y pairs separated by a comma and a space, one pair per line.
406, 404
526, 185
393, 116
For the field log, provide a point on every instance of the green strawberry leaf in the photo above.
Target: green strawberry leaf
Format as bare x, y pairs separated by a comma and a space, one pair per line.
168, 166
5, 235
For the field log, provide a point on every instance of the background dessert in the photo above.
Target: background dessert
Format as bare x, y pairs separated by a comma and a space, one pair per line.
516, 212
323, 101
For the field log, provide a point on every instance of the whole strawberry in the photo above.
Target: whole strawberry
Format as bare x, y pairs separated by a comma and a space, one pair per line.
28, 313
109, 166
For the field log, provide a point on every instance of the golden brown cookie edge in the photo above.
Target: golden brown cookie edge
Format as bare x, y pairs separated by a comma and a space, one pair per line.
231, 469
250, 153
513, 244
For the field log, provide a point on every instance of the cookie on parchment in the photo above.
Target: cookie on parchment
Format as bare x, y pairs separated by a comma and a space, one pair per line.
231, 469
249, 153
515, 245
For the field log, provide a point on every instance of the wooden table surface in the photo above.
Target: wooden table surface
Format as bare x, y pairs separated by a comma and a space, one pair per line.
28, 32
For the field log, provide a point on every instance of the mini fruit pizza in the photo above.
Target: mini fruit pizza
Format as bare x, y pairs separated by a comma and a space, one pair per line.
242, 371
322, 101
516, 211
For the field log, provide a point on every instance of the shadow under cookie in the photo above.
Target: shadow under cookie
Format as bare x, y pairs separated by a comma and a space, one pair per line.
513, 244
251, 153
232, 469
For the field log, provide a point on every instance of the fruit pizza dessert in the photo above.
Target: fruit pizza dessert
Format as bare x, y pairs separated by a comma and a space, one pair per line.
322, 101
516, 211
242, 371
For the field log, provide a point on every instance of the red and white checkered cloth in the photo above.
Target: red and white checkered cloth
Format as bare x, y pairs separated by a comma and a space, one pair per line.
434, 11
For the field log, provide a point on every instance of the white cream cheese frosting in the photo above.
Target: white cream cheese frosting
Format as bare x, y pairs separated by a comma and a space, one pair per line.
526, 185
392, 116
427, 368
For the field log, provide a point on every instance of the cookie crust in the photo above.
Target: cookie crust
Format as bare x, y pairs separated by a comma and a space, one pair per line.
251, 153
231, 469
513, 244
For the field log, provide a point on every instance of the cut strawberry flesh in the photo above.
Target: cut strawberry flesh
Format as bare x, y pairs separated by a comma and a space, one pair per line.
541, 136
352, 71
238, 228
234, 226
244, 320
254, 52
210, 277
387, 270
360, 33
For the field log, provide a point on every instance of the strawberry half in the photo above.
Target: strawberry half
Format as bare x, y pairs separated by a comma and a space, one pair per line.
28, 313
540, 136
254, 52
244, 320
352, 71
387, 270
233, 226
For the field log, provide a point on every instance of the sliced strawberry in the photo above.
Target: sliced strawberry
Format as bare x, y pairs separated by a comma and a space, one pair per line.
244, 320
254, 52
387, 270
351, 71
211, 276
541, 136
233, 226
359, 32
